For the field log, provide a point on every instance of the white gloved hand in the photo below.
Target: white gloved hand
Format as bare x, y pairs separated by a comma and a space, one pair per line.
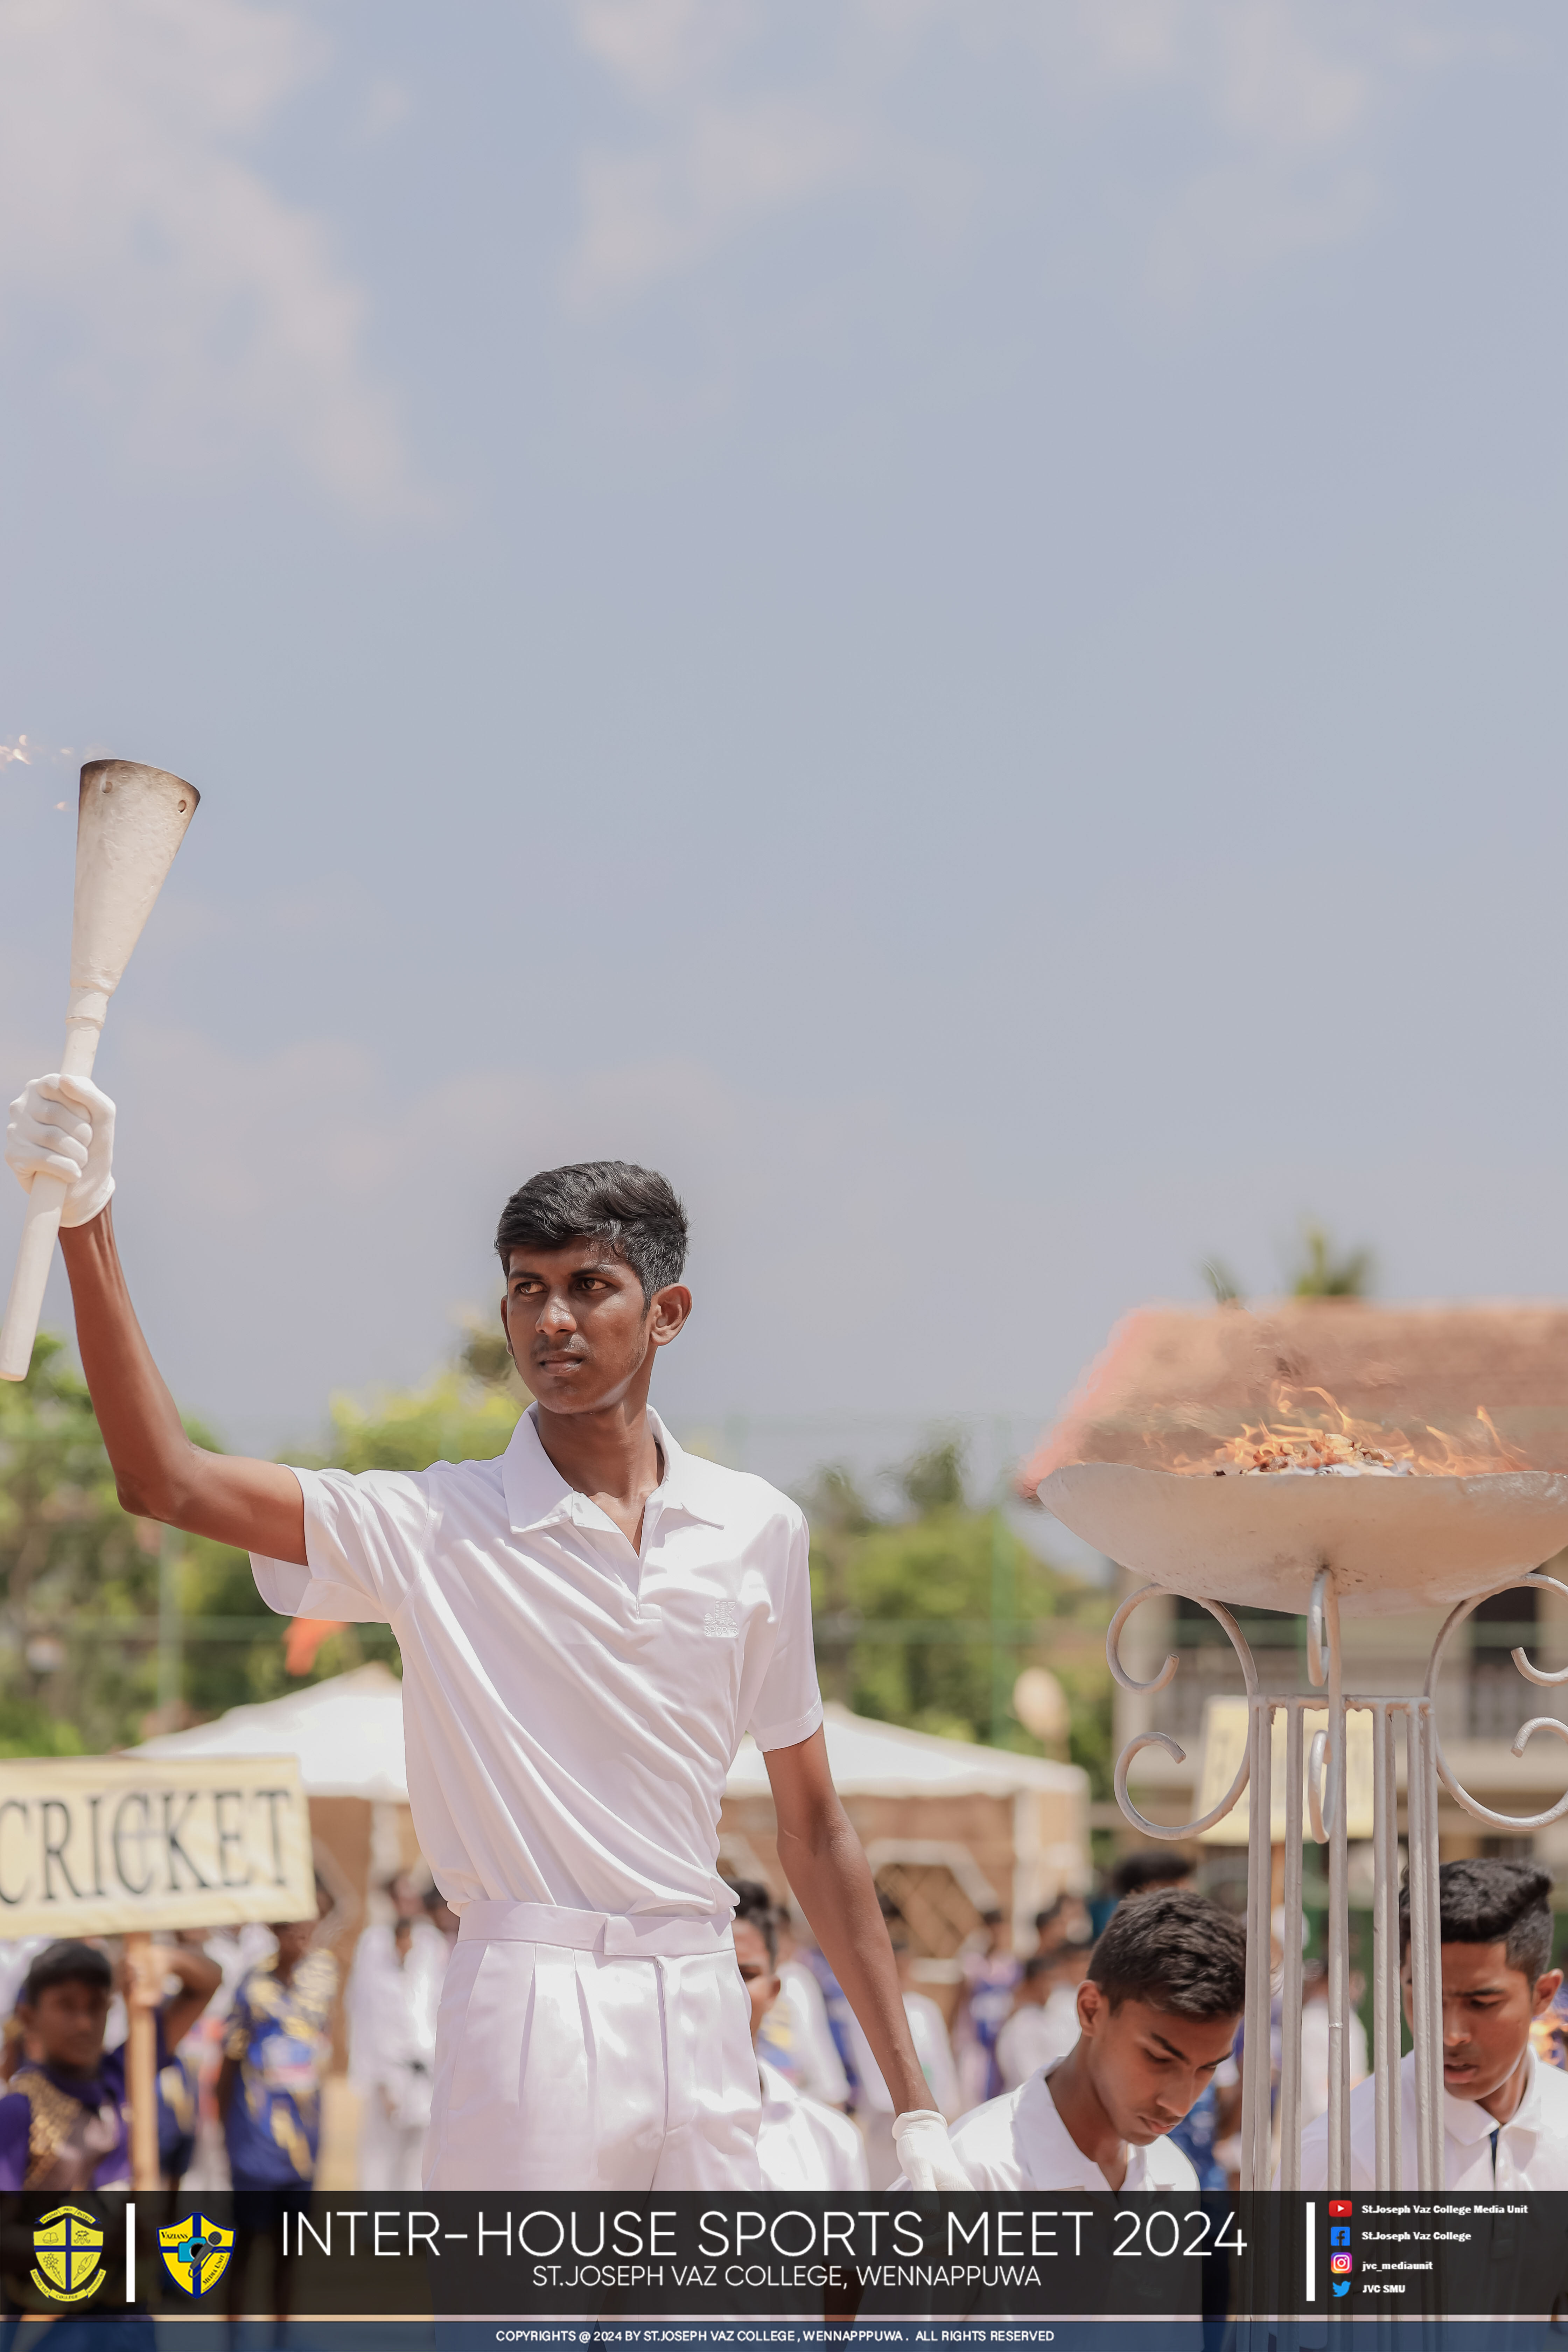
63, 1127
926, 2153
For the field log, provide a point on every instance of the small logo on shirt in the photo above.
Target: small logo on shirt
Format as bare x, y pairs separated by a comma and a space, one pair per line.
721, 1623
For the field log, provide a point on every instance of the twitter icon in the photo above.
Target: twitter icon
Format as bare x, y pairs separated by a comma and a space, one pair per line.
1341, 2286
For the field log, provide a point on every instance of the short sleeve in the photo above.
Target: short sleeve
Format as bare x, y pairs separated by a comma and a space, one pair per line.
366, 1538
788, 1704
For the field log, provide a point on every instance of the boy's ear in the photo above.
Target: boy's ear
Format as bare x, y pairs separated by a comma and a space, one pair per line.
1547, 1988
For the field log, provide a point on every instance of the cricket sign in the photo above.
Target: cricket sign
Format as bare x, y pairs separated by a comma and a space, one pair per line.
112, 1845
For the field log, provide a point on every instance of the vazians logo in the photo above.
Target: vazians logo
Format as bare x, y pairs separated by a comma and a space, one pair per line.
69, 2244
195, 2252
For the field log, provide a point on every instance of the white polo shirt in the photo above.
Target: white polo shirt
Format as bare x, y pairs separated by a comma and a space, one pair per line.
1019, 2141
1531, 2146
800, 2144
570, 1708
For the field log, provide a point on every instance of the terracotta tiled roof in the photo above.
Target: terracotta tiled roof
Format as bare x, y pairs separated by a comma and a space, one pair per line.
1174, 1378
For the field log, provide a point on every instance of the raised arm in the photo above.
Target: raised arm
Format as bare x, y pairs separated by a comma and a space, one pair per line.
66, 1127
827, 1870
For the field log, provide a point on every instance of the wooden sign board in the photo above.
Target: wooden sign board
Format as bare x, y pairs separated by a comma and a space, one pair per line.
1225, 1745
111, 1845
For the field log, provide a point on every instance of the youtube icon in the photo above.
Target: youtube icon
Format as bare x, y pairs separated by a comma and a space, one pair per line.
1339, 2205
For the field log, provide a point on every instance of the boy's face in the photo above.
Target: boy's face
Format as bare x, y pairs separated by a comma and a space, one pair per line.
67, 2023
1148, 2066
756, 1972
1487, 2012
293, 1940
578, 1326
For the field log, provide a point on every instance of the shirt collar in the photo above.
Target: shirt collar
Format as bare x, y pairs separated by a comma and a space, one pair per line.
537, 1494
1052, 2158
1467, 2122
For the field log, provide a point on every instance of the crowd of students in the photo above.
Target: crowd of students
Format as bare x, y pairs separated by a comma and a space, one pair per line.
1116, 2060
1108, 2059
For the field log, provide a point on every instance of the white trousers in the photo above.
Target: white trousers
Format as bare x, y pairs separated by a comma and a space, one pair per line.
574, 2051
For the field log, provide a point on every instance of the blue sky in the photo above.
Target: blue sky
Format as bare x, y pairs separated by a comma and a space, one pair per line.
944, 616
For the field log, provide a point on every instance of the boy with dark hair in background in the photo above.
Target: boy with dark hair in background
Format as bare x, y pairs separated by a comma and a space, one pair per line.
1505, 2115
1157, 2014
800, 2143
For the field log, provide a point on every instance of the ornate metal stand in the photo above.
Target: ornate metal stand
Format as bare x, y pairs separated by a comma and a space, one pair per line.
1325, 1785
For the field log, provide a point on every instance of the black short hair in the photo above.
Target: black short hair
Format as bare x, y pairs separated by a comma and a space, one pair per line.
1151, 1866
67, 1962
1176, 1950
1039, 1964
613, 1201
1486, 1901
754, 1908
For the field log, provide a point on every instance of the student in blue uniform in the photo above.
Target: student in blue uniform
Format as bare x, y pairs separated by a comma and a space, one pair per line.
64, 2123
269, 2096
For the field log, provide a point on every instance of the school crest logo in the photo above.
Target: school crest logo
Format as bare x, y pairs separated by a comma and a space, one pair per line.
195, 2252
721, 1623
69, 2244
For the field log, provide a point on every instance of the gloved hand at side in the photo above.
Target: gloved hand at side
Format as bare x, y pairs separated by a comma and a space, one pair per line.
925, 2152
63, 1127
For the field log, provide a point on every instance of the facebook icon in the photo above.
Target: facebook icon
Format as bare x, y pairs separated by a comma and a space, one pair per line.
1339, 2235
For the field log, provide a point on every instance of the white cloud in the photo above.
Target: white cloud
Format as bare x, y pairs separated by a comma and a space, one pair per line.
1283, 93
201, 312
647, 215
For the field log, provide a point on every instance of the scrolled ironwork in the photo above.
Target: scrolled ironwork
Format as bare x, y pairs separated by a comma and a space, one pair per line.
1325, 1758
1543, 1676
1173, 1747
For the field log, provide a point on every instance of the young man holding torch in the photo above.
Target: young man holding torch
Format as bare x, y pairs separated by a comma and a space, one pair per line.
588, 1626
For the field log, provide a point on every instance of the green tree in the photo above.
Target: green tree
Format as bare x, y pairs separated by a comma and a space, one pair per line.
1321, 1274
904, 1612
73, 1567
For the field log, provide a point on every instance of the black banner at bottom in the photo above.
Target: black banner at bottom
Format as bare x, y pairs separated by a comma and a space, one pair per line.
782, 2271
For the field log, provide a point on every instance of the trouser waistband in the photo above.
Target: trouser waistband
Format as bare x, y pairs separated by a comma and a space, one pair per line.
629, 1935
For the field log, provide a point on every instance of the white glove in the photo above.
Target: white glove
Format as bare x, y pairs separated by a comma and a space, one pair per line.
925, 2152
63, 1127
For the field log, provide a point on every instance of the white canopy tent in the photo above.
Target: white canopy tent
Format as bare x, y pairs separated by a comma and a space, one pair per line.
918, 1802
348, 1735
882, 1759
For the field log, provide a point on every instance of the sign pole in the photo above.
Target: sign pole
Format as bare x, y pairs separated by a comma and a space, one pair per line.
142, 2061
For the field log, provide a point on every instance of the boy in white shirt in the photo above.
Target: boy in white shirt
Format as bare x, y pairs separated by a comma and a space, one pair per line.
1043, 2025
1505, 2115
800, 2143
588, 1626
1157, 2012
